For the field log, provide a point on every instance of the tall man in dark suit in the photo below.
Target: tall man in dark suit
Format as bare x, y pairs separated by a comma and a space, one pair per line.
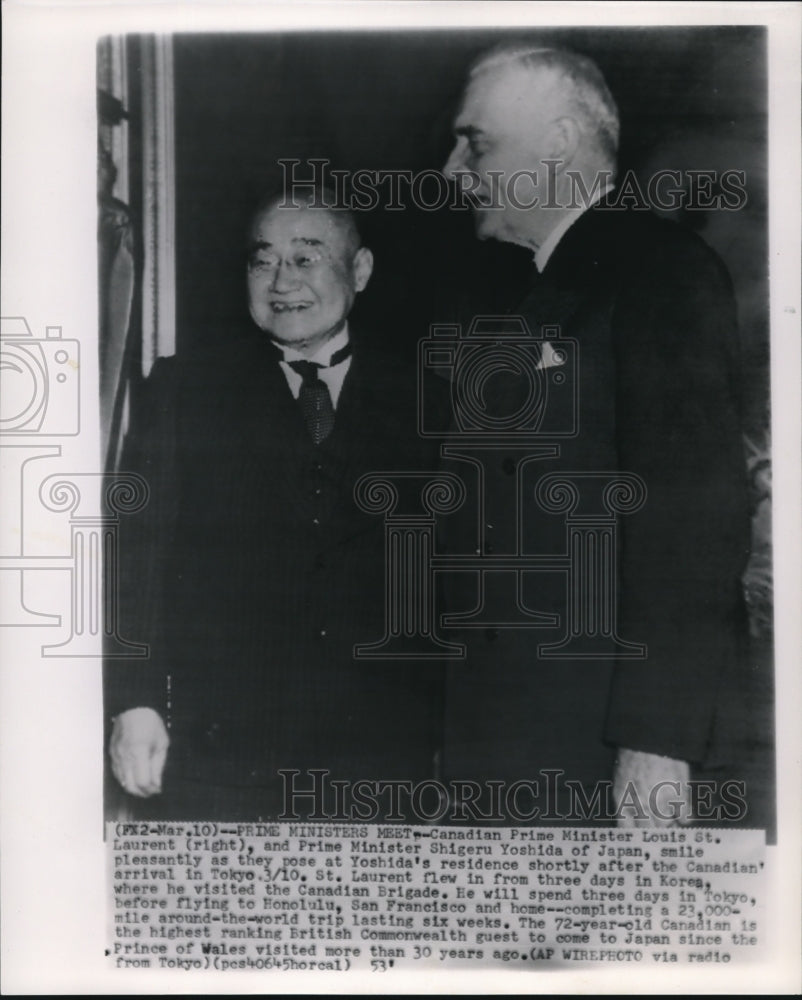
651, 309
272, 573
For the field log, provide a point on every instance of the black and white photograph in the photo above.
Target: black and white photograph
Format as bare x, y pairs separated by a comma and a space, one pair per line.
415, 515
427, 207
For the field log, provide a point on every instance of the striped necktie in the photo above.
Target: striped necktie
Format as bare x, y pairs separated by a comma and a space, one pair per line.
314, 396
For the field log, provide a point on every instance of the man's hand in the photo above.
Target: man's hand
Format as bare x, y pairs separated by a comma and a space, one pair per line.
138, 750
651, 790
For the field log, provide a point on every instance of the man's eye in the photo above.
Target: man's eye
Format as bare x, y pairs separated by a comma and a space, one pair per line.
307, 259
262, 263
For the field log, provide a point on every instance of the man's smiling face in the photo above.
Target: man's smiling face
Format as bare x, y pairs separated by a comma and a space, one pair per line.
304, 272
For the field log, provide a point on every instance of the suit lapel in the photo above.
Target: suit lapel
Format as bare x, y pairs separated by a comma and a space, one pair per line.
571, 276
374, 426
350, 439
275, 431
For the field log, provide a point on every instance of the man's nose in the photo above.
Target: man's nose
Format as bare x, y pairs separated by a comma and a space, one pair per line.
285, 278
455, 164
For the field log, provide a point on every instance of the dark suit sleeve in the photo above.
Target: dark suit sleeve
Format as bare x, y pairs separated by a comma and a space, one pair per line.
150, 451
683, 553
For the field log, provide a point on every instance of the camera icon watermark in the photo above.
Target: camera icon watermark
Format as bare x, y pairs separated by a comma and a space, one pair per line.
508, 383
39, 400
41, 381
514, 398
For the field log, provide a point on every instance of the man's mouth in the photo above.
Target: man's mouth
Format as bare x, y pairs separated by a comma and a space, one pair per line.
284, 307
471, 198
479, 201
483, 199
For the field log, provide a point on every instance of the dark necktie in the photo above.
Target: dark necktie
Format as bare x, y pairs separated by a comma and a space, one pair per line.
314, 396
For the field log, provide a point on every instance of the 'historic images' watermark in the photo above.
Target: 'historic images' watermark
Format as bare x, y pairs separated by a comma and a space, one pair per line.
666, 190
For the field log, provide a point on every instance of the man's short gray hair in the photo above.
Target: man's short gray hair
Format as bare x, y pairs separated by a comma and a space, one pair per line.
588, 95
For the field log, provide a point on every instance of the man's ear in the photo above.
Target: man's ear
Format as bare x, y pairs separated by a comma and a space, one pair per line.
363, 268
563, 140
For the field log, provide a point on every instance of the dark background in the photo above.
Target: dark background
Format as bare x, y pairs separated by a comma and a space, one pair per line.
689, 98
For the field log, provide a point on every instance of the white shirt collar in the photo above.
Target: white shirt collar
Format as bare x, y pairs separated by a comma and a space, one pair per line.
334, 378
322, 355
549, 245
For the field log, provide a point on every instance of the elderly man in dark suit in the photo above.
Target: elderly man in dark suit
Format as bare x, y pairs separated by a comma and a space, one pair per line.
271, 573
651, 309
